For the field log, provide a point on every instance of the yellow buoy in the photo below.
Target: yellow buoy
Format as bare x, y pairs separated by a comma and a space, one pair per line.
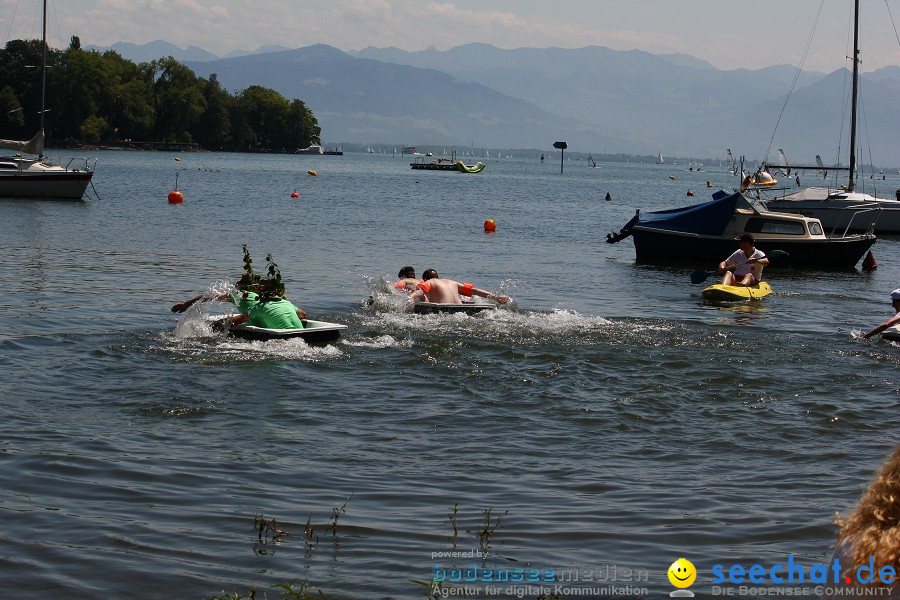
311, 172
672, 177
176, 158
708, 183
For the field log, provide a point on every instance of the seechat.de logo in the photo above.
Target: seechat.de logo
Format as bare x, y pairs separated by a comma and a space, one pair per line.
681, 575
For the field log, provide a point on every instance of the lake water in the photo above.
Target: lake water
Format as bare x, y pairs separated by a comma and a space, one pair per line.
610, 418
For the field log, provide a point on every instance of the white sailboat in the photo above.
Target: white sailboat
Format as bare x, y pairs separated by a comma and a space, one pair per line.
660, 160
844, 209
22, 177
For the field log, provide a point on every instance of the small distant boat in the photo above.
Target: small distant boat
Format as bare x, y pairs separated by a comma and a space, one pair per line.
369, 150
593, 163
314, 332
408, 150
464, 168
735, 293
660, 160
469, 308
314, 149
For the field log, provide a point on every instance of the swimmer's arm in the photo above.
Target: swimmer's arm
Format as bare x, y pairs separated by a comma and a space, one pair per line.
183, 306
889, 323
417, 296
301, 314
486, 294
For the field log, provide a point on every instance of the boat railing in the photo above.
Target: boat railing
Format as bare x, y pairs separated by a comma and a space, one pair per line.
855, 210
81, 164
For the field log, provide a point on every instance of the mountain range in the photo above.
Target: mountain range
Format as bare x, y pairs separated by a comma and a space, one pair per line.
595, 98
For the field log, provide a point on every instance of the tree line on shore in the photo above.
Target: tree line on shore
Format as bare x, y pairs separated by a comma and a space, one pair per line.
95, 97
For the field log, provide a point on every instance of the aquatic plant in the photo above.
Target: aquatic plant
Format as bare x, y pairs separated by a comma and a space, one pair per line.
336, 514
451, 518
293, 591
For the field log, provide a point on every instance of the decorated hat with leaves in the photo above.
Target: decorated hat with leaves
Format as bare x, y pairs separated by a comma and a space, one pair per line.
271, 288
249, 279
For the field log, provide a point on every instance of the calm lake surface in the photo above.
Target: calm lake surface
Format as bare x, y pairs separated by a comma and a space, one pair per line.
610, 418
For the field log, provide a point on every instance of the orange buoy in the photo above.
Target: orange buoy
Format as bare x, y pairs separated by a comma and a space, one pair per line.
490, 225
176, 197
690, 193
294, 194
311, 172
869, 262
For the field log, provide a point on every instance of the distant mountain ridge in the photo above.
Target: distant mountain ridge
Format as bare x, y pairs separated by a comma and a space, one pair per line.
596, 98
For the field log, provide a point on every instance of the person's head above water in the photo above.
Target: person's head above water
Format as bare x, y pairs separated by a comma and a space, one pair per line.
430, 274
895, 297
407, 272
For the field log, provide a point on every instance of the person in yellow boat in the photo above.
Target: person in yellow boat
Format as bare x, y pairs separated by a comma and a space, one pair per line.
748, 263
895, 320
447, 291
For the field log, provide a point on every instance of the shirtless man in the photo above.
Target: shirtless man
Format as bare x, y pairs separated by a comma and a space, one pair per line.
446, 291
407, 281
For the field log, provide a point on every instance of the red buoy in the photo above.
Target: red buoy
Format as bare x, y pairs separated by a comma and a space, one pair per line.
294, 194
690, 193
490, 225
176, 197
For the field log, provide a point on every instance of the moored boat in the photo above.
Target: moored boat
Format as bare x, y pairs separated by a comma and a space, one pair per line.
22, 177
731, 293
711, 229
848, 209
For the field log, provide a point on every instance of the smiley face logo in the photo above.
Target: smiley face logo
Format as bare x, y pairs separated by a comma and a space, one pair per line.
682, 573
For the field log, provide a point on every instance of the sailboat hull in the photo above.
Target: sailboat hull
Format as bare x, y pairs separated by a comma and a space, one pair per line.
48, 184
857, 211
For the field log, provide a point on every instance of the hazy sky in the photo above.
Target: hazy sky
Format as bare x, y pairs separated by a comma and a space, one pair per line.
728, 33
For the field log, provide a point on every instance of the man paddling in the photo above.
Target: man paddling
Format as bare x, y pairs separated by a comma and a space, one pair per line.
407, 281
895, 302
447, 291
273, 310
747, 262
243, 299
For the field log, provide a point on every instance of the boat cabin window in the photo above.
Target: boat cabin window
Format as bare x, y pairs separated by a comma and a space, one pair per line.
11, 166
758, 225
815, 228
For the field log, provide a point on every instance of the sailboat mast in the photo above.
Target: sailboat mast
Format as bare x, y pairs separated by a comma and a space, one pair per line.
850, 185
43, 72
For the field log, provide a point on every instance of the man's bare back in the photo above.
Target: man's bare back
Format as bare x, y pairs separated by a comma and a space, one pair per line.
447, 291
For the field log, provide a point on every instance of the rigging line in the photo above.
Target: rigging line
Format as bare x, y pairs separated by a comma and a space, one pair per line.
11, 21
796, 78
892, 21
58, 32
846, 97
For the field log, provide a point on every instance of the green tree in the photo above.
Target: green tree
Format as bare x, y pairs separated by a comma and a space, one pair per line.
179, 100
214, 130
